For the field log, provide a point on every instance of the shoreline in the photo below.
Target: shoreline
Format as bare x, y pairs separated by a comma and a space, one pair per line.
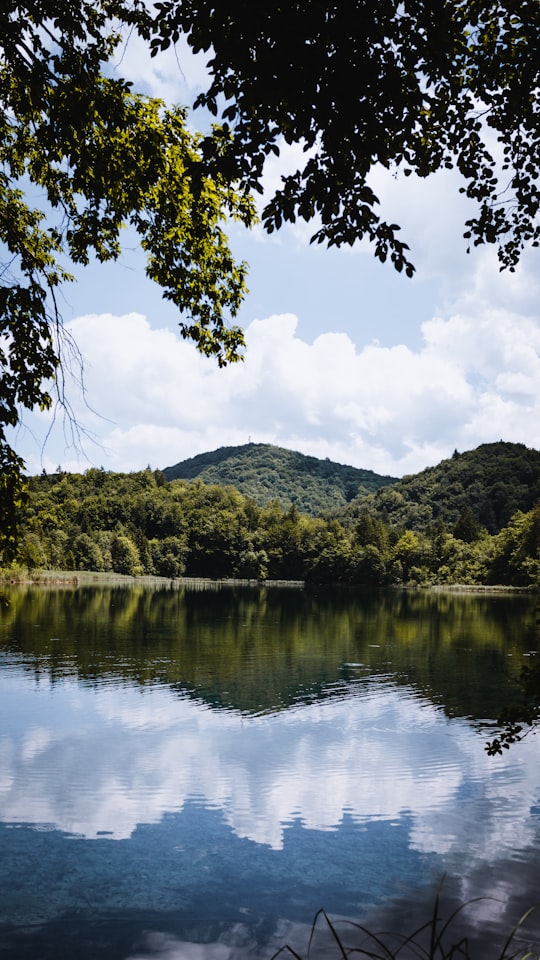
82, 578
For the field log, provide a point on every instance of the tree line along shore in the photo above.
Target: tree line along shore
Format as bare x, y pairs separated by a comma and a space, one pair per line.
140, 524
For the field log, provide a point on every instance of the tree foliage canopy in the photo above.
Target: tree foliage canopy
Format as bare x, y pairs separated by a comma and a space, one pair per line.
484, 487
81, 157
140, 522
265, 472
413, 85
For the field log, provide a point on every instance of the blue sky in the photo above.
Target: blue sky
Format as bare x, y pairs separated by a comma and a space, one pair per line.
345, 358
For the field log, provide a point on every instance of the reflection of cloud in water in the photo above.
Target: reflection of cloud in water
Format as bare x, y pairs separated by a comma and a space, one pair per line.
158, 944
35, 742
486, 904
107, 761
480, 924
235, 943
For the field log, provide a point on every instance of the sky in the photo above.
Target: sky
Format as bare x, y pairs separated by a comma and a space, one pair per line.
345, 358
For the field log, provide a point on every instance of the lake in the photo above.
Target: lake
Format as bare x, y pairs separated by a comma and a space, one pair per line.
193, 771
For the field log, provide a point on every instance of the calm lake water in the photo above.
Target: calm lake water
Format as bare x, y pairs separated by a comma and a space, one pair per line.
191, 772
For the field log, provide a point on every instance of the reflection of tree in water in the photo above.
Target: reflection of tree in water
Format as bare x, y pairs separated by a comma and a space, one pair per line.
521, 716
265, 648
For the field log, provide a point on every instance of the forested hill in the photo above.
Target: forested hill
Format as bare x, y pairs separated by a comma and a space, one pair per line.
473, 519
264, 473
482, 488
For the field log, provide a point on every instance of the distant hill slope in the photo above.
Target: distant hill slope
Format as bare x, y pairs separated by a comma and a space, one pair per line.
265, 472
488, 484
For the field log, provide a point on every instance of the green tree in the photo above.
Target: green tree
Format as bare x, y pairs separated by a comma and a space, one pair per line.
371, 530
81, 157
252, 563
125, 556
13, 495
327, 553
407, 84
412, 85
188, 527
32, 553
168, 556
369, 566
516, 558
407, 555
87, 554
467, 527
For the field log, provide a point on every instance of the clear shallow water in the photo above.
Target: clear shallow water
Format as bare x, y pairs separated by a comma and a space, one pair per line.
189, 773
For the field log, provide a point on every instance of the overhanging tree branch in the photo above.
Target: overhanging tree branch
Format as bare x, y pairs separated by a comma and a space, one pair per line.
102, 157
413, 85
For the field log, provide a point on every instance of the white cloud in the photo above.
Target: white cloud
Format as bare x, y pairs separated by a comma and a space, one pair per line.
393, 409
175, 75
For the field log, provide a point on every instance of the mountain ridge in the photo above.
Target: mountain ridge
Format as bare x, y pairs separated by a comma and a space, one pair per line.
490, 484
473, 519
265, 472
492, 481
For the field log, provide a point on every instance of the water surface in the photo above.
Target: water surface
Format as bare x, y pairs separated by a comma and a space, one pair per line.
195, 772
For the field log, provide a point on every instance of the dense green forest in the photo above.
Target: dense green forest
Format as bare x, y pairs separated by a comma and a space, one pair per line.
264, 472
439, 529
481, 488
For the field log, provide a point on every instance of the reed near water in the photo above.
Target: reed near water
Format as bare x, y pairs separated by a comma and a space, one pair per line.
435, 939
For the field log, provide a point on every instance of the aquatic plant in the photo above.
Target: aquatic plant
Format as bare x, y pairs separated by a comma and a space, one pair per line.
433, 940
